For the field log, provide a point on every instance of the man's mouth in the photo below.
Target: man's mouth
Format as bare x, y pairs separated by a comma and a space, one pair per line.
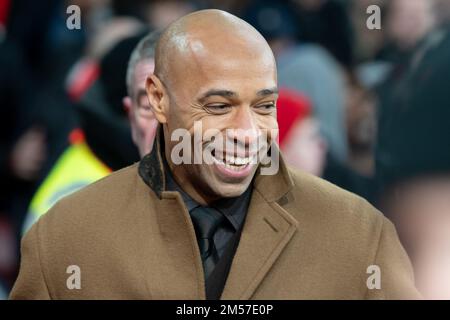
233, 165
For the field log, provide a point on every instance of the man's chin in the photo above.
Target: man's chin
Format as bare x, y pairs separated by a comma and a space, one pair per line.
226, 186
231, 193
229, 189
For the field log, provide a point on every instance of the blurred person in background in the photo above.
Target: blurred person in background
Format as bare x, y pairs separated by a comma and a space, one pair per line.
327, 23
368, 42
442, 12
103, 143
23, 150
412, 161
39, 50
361, 103
142, 120
105, 80
407, 24
408, 32
299, 137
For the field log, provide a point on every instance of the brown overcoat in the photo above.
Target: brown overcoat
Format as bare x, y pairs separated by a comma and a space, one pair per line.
303, 238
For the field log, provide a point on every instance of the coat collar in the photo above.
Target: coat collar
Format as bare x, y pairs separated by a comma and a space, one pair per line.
151, 166
151, 170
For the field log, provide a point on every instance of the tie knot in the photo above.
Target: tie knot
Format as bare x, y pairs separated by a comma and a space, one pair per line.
206, 221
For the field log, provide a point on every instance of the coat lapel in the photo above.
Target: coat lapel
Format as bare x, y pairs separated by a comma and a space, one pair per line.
184, 266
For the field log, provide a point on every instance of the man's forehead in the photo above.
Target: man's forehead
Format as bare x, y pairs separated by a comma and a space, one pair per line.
200, 59
244, 75
222, 45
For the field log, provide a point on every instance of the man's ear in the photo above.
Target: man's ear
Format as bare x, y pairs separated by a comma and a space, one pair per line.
157, 97
127, 106
126, 101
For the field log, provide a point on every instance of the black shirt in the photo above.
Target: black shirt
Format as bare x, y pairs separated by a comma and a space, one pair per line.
234, 209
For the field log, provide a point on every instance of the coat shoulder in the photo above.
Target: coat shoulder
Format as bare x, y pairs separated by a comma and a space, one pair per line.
339, 238
114, 182
333, 206
97, 203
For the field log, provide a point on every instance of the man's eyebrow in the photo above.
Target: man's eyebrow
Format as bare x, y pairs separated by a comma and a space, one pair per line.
267, 92
218, 92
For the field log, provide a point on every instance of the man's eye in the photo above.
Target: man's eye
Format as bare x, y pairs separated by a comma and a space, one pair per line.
266, 107
145, 111
145, 107
218, 108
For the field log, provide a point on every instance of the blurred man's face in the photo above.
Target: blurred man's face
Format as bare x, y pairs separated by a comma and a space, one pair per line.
142, 120
304, 148
223, 91
409, 21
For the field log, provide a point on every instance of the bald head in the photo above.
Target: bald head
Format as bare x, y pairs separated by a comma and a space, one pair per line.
207, 34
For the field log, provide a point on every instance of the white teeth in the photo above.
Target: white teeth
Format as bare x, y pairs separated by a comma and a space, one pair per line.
242, 161
233, 167
235, 163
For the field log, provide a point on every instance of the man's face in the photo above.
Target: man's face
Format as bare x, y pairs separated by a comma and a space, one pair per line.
142, 120
222, 92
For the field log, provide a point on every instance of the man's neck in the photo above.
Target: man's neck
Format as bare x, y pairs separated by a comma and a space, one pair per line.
178, 175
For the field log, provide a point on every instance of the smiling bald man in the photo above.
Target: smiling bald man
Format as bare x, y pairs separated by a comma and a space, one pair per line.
172, 227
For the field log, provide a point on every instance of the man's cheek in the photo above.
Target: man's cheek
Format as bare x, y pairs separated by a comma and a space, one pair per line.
144, 125
149, 136
269, 128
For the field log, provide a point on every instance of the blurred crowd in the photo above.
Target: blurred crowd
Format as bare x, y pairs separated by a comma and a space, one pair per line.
368, 110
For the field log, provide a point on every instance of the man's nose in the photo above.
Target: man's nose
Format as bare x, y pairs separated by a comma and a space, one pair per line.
245, 130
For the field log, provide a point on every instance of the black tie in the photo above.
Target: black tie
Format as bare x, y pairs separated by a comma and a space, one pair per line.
206, 222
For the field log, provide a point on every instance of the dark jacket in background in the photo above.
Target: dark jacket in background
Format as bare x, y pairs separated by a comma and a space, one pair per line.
414, 115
